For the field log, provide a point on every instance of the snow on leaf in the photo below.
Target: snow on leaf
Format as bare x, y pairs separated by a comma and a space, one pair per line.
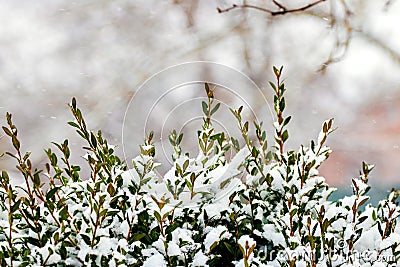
155, 260
214, 235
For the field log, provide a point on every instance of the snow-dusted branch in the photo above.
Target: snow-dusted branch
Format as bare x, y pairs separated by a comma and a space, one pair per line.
282, 9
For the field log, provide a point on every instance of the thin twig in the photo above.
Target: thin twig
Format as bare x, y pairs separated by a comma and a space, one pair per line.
235, 6
279, 4
342, 46
283, 10
380, 44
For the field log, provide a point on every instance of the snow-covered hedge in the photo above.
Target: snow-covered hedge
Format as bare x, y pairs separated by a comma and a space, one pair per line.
264, 206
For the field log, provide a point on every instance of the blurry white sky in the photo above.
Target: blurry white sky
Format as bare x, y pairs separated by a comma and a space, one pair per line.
102, 51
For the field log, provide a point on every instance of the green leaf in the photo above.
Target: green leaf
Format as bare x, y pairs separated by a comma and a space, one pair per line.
286, 121
171, 228
255, 152
230, 248
272, 85
213, 246
67, 152
207, 88
111, 189
157, 215
8, 116
285, 136
282, 105
73, 124
112, 213
137, 237
33, 241
51, 192
102, 198
64, 213
93, 140
4, 174
78, 115
362, 219
314, 228
81, 134
215, 109
254, 171
58, 146
16, 142
166, 215
265, 146
205, 107
269, 156
36, 180
11, 155
185, 165
15, 207
293, 212
179, 139
277, 73
7, 131
235, 143
188, 184
26, 156
202, 146
103, 213
171, 140
192, 177
234, 113
86, 238
209, 146
73, 103
282, 89
246, 127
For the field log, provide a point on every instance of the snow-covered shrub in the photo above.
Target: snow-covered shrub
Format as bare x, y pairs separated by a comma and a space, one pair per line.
265, 206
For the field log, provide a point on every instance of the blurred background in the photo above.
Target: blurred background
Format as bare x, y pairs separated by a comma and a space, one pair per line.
341, 59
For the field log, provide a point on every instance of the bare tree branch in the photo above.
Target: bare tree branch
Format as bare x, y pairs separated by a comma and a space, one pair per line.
342, 42
278, 4
382, 45
282, 9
